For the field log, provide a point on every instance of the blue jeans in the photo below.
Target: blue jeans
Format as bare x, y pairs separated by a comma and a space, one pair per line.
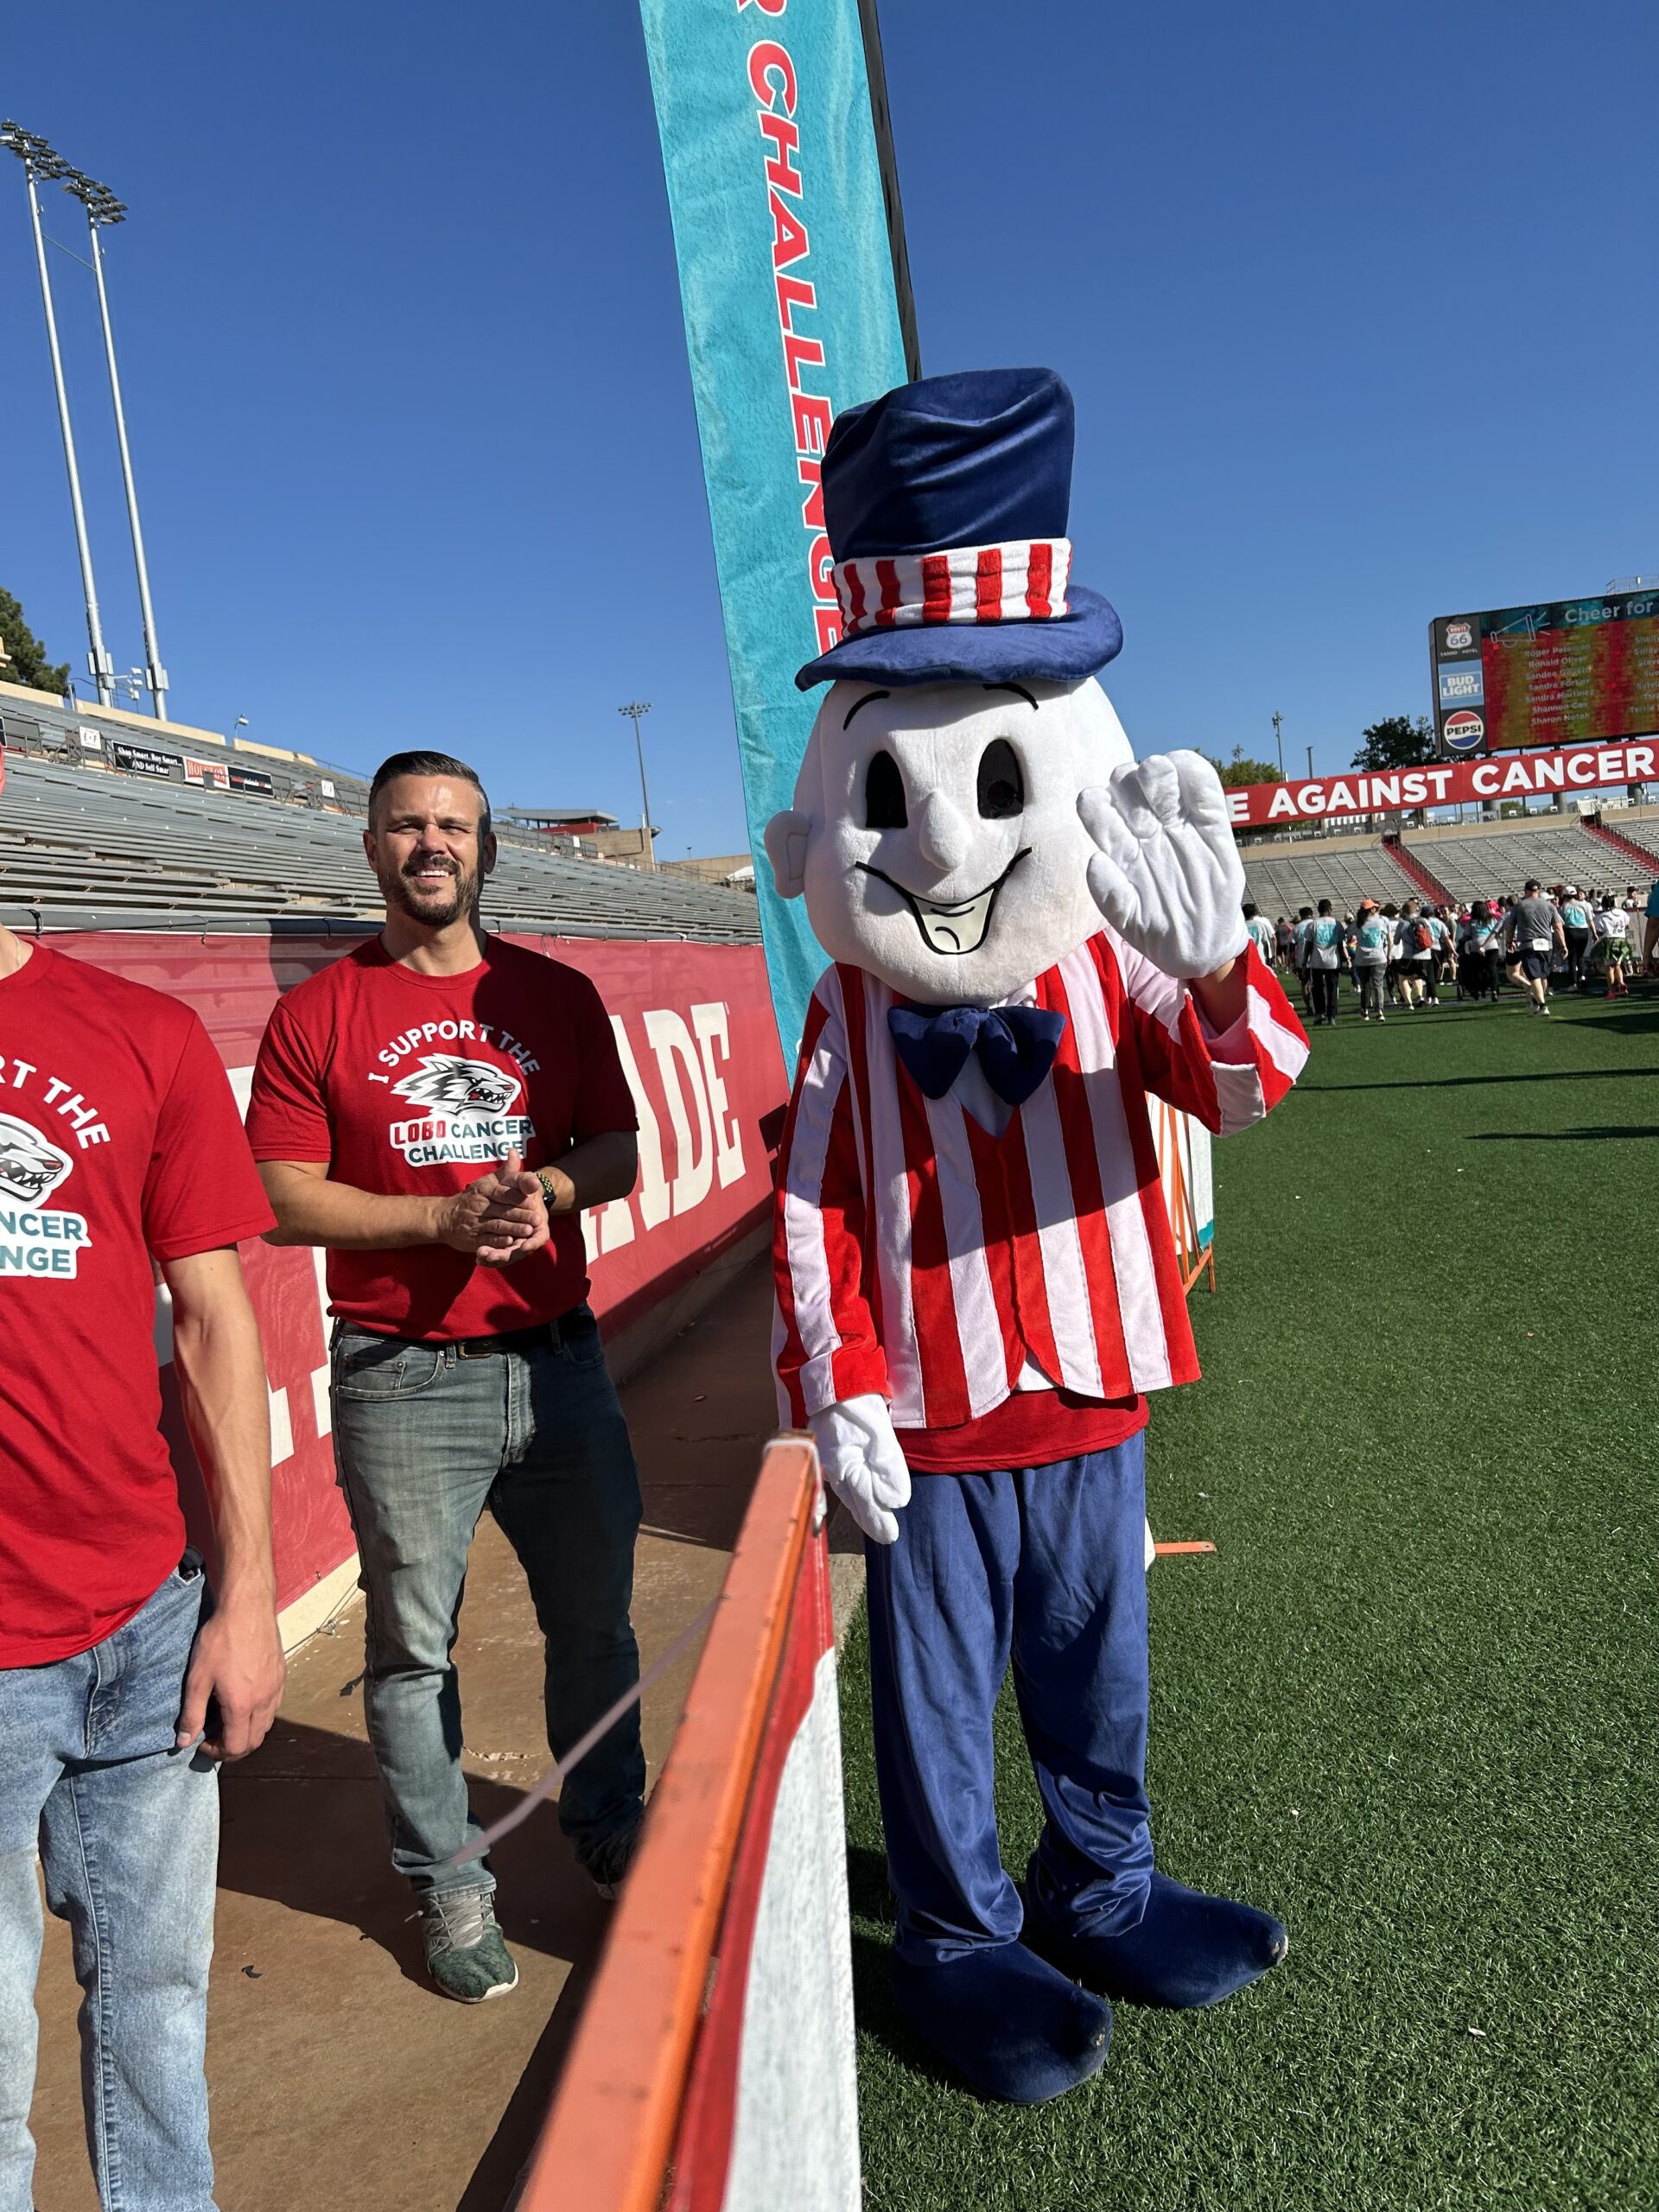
1044, 1567
127, 1828
424, 1440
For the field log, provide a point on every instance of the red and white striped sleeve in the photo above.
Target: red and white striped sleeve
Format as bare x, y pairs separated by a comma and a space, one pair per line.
1227, 1079
825, 1344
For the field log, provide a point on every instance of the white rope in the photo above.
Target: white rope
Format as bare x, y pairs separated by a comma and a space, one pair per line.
578, 1751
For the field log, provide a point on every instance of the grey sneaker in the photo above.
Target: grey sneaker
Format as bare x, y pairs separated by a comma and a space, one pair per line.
465, 1955
611, 1861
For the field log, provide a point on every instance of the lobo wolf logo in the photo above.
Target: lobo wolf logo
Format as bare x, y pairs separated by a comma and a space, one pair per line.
445, 1085
30, 1168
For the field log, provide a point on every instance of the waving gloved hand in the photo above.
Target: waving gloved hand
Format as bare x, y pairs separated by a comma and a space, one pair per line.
862, 1462
1168, 875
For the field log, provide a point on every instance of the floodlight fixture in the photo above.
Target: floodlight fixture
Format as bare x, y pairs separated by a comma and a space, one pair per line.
37, 155
101, 205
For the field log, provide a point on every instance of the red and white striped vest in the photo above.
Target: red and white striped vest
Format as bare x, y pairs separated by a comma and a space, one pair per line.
917, 1254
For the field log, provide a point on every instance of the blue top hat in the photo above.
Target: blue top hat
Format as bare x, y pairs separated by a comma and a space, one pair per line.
946, 503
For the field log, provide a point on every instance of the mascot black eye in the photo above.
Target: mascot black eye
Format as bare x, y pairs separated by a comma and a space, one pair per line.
884, 794
1001, 787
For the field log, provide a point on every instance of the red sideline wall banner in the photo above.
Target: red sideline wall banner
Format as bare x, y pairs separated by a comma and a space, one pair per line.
695, 1029
1522, 775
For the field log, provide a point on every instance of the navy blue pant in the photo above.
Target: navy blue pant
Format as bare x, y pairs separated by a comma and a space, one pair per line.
1044, 1567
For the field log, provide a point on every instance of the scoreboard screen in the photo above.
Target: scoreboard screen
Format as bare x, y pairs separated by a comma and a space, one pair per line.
1574, 671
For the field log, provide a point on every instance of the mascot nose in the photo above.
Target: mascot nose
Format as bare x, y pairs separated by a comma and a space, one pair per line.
942, 836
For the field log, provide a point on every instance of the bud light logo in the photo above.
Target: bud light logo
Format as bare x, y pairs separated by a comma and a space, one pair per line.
1460, 637
1464, 733
1462, 684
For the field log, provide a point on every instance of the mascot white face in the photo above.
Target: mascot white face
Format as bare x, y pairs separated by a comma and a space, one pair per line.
934, 832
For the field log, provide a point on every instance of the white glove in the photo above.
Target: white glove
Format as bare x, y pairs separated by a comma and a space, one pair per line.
1167, 877
861, 1462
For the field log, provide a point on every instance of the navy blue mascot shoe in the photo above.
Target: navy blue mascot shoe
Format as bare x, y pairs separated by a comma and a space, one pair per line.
1012, 2027
1187, 1951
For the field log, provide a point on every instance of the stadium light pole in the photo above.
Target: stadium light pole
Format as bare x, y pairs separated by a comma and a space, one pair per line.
636, 710
1279, 737
102, 209
39, 161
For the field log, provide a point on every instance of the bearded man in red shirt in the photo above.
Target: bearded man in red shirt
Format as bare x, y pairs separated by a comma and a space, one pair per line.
436, 1110
121, 1686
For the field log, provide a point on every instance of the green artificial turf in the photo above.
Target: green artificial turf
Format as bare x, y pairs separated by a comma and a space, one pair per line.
1410, 1705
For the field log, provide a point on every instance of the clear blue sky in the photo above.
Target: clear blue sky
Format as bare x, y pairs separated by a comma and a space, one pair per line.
1358, 305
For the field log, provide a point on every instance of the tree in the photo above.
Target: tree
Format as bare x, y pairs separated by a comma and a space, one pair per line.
26, 661
1397, 741
1238, 772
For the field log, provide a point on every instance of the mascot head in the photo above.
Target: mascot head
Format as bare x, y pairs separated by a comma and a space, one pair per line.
935, 833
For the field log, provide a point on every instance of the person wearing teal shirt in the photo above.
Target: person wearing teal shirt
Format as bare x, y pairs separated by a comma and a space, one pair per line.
1578, 922
1480, 946
1369, 943
1323, 957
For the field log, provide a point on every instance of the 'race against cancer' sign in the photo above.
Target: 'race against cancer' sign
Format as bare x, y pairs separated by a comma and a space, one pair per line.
1522, 775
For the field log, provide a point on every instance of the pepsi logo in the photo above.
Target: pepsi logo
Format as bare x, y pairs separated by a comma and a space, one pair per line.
1463, 732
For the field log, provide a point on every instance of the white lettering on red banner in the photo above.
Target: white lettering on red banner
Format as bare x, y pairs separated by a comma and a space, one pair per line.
777, 90
1520, 775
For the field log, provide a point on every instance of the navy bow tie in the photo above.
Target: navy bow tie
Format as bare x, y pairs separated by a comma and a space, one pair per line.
1016, 1045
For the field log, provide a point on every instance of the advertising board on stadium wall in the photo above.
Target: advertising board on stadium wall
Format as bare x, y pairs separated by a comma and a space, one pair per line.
694, 1026
141, 759
1522, 775
1559, 673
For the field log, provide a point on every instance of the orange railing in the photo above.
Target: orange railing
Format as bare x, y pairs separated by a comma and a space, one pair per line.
608, 2137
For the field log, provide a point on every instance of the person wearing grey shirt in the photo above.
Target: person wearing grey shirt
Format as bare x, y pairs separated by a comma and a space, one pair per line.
1534, 935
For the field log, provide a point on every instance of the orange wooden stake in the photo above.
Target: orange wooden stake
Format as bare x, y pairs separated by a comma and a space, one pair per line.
1163, 1550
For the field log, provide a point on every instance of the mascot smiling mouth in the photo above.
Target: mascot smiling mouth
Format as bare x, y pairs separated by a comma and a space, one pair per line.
956, 929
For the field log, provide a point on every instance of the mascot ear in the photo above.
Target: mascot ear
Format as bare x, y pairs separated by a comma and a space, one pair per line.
786, 839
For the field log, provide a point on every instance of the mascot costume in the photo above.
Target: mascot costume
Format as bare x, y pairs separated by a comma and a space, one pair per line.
976, 1278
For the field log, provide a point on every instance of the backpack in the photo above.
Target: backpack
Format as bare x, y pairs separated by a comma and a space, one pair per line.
1422, 937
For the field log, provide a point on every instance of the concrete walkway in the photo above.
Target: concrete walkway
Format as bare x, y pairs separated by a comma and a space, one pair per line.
338, 2077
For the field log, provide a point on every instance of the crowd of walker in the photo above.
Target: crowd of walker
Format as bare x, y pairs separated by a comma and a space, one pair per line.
1400, 956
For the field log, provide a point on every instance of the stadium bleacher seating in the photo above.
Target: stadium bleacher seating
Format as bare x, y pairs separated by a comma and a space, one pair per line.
1297, 876
1492, 865
83, 849
1484, 864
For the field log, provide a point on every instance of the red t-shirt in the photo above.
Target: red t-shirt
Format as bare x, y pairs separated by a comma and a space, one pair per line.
118, 1138
415, 1085
1030, 1428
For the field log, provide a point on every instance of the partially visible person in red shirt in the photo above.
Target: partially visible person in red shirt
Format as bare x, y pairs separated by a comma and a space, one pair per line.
437, 1108
121, 1686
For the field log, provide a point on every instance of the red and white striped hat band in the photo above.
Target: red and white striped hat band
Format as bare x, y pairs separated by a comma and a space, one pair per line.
1022, 581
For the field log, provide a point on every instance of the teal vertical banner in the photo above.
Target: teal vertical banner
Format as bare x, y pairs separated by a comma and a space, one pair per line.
775, 185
